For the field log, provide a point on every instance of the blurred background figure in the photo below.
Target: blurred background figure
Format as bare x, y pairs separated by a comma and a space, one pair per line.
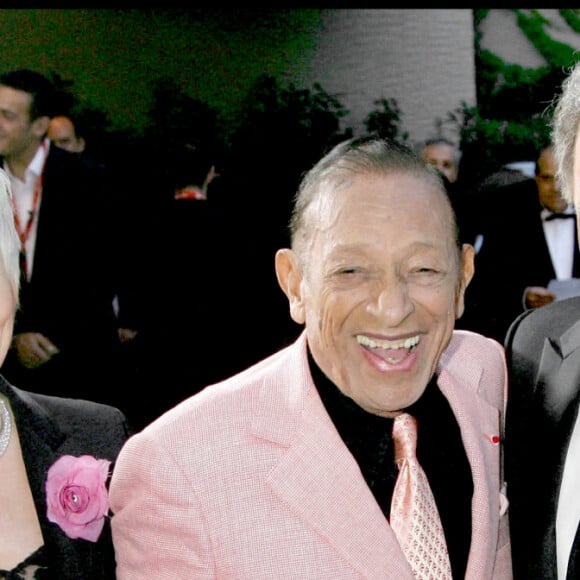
184, 312
71, 133
62, 132
529, 240
444, 155
66, 338
193, 173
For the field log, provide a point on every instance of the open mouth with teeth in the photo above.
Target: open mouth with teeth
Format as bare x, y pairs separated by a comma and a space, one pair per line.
390, 352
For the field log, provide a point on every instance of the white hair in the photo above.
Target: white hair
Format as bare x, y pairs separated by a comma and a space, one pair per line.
565, 124
9, 240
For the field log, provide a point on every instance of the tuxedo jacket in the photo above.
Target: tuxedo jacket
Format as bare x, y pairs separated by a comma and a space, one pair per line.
70, 293
249, 479
543, 357
514, 255
48, 428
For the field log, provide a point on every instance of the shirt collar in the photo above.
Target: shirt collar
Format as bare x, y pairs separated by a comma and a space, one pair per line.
546, 212
37, 163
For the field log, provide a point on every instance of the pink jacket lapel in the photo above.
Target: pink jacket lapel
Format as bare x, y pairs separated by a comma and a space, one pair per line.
321, 482
476, 389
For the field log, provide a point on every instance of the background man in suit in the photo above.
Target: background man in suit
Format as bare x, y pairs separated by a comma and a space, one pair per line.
287, 469
65, 339
529, 239
543, 432
62, 132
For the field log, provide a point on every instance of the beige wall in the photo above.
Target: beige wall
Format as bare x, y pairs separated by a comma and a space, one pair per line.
424, 58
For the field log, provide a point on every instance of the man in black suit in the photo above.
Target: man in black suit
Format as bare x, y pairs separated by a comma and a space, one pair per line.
529, 239
65, 341
542, 445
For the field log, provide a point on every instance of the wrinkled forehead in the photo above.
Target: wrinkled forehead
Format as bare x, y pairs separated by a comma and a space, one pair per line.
393, 199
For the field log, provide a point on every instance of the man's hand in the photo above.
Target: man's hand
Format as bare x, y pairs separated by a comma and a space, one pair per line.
126, 335
33, 349
537, 296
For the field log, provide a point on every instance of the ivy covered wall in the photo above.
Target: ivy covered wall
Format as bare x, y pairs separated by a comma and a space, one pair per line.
522, 56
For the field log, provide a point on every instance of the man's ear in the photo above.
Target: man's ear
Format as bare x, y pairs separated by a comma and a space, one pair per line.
81, 144
40, 126
289, 274
466, 274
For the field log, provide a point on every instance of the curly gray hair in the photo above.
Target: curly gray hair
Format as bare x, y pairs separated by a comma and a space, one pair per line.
565, 124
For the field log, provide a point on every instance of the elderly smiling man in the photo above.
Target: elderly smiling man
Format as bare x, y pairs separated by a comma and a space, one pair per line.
290, 468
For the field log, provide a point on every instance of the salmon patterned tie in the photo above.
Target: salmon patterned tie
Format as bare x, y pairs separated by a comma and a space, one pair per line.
414, 516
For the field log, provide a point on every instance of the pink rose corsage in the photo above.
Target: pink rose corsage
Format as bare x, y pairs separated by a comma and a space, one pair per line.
77, 497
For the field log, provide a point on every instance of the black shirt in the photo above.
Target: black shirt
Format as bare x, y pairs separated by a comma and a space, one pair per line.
439, 450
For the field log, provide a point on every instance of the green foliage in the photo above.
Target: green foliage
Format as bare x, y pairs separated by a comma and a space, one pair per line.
285, 110
572, 18
511, 121
281, 133
290, 128
556, 53
176, 117
488, 143
385, 121
479, 14
90, 122
511, 89
305, 120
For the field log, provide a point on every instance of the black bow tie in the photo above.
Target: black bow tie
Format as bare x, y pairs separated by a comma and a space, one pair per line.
558, 216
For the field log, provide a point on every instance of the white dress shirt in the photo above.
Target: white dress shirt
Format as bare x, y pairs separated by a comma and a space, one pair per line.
568, 513
23, 193
561, 239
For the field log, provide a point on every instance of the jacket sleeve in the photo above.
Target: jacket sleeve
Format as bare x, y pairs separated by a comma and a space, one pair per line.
158, 525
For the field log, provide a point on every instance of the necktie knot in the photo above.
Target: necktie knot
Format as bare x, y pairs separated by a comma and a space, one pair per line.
405, 437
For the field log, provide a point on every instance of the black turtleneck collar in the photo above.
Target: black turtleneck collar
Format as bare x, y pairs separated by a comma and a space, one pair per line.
440, 451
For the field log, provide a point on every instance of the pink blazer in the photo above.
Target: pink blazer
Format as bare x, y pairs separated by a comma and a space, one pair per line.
250, 480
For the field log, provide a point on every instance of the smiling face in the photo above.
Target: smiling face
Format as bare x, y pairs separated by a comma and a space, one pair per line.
548, 186
378, 285
19, 135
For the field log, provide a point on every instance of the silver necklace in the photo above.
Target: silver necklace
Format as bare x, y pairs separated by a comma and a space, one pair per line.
5, 428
